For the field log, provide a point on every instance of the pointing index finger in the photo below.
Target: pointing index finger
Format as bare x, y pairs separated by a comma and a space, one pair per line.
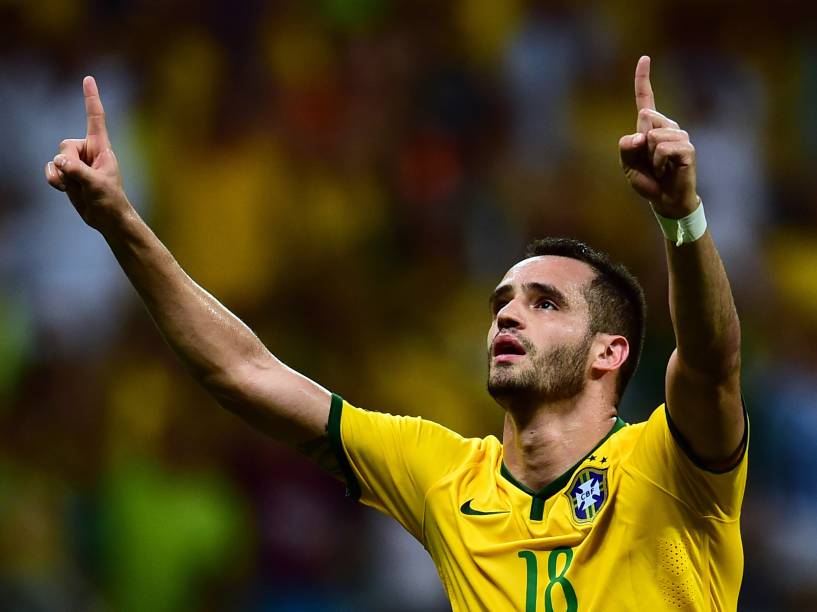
643, 87
97, 132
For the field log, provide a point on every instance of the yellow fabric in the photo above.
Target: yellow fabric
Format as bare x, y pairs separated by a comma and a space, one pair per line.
665, 537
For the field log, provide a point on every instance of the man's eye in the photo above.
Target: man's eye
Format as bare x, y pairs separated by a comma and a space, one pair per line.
546, 304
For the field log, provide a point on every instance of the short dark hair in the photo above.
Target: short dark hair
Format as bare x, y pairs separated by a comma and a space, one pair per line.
614, 297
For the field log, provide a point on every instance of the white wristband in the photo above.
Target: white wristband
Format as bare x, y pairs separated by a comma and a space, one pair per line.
686, 230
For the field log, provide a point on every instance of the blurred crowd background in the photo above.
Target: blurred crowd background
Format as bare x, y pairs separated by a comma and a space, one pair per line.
352, 178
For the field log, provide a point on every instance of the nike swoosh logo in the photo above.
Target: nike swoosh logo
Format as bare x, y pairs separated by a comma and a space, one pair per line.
467, 509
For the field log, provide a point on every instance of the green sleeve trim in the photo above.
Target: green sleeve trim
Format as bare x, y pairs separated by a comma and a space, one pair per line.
333, 431
696, 460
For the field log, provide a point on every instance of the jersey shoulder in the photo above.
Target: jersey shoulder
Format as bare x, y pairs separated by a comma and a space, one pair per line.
651, 451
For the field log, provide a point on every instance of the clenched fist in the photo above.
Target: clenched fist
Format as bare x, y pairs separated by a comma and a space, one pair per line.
87, 170
658, 160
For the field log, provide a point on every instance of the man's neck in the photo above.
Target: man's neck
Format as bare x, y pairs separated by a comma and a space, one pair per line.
541, 444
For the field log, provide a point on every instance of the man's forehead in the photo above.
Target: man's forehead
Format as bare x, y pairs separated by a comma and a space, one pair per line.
564, 273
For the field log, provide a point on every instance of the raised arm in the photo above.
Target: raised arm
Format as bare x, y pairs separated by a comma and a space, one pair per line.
703, 373
220, 351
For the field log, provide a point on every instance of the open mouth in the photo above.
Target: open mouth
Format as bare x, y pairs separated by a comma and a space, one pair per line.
506, 346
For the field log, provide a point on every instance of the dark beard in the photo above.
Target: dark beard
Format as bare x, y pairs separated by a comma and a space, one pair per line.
549, 377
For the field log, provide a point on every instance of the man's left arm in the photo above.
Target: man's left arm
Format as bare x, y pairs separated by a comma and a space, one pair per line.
703, 373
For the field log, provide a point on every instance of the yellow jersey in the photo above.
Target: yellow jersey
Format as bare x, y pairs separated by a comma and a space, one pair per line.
634, 525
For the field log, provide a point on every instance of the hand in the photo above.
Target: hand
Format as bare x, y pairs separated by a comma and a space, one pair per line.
658, 160
86, 168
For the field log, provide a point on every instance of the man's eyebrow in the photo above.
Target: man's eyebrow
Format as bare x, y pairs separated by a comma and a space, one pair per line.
548, 290
499, 292
543, 288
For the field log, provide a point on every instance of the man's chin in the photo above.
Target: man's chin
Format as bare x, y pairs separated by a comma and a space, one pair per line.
510, 372
504, 385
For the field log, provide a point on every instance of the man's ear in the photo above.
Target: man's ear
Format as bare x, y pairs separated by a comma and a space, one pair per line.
610, 353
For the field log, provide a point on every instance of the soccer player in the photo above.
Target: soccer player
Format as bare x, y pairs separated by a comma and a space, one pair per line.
574, 509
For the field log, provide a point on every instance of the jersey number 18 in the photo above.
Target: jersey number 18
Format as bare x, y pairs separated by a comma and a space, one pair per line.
555, 578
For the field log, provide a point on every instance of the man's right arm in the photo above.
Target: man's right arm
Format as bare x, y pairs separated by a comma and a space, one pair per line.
220, 351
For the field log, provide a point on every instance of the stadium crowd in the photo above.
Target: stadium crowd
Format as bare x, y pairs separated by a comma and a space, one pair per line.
352, 179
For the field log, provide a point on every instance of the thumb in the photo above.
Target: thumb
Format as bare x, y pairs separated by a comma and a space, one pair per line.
631, 142
75, 169
632, 150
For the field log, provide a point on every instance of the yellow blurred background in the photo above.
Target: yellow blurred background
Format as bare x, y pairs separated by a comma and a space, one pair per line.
352, 178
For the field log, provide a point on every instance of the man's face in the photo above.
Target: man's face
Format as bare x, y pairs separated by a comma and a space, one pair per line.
539, 339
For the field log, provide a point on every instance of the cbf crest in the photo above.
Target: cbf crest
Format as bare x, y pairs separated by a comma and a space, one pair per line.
588, 493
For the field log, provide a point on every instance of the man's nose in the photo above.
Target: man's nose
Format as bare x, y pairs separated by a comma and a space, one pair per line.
509, 316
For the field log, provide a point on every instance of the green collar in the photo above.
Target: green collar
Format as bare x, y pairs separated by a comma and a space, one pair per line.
539, 497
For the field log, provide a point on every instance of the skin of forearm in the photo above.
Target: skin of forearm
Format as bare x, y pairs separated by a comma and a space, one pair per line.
211, 341
707, 329
219, 350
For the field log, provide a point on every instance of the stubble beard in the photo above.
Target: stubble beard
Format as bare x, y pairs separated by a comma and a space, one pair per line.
551, 376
